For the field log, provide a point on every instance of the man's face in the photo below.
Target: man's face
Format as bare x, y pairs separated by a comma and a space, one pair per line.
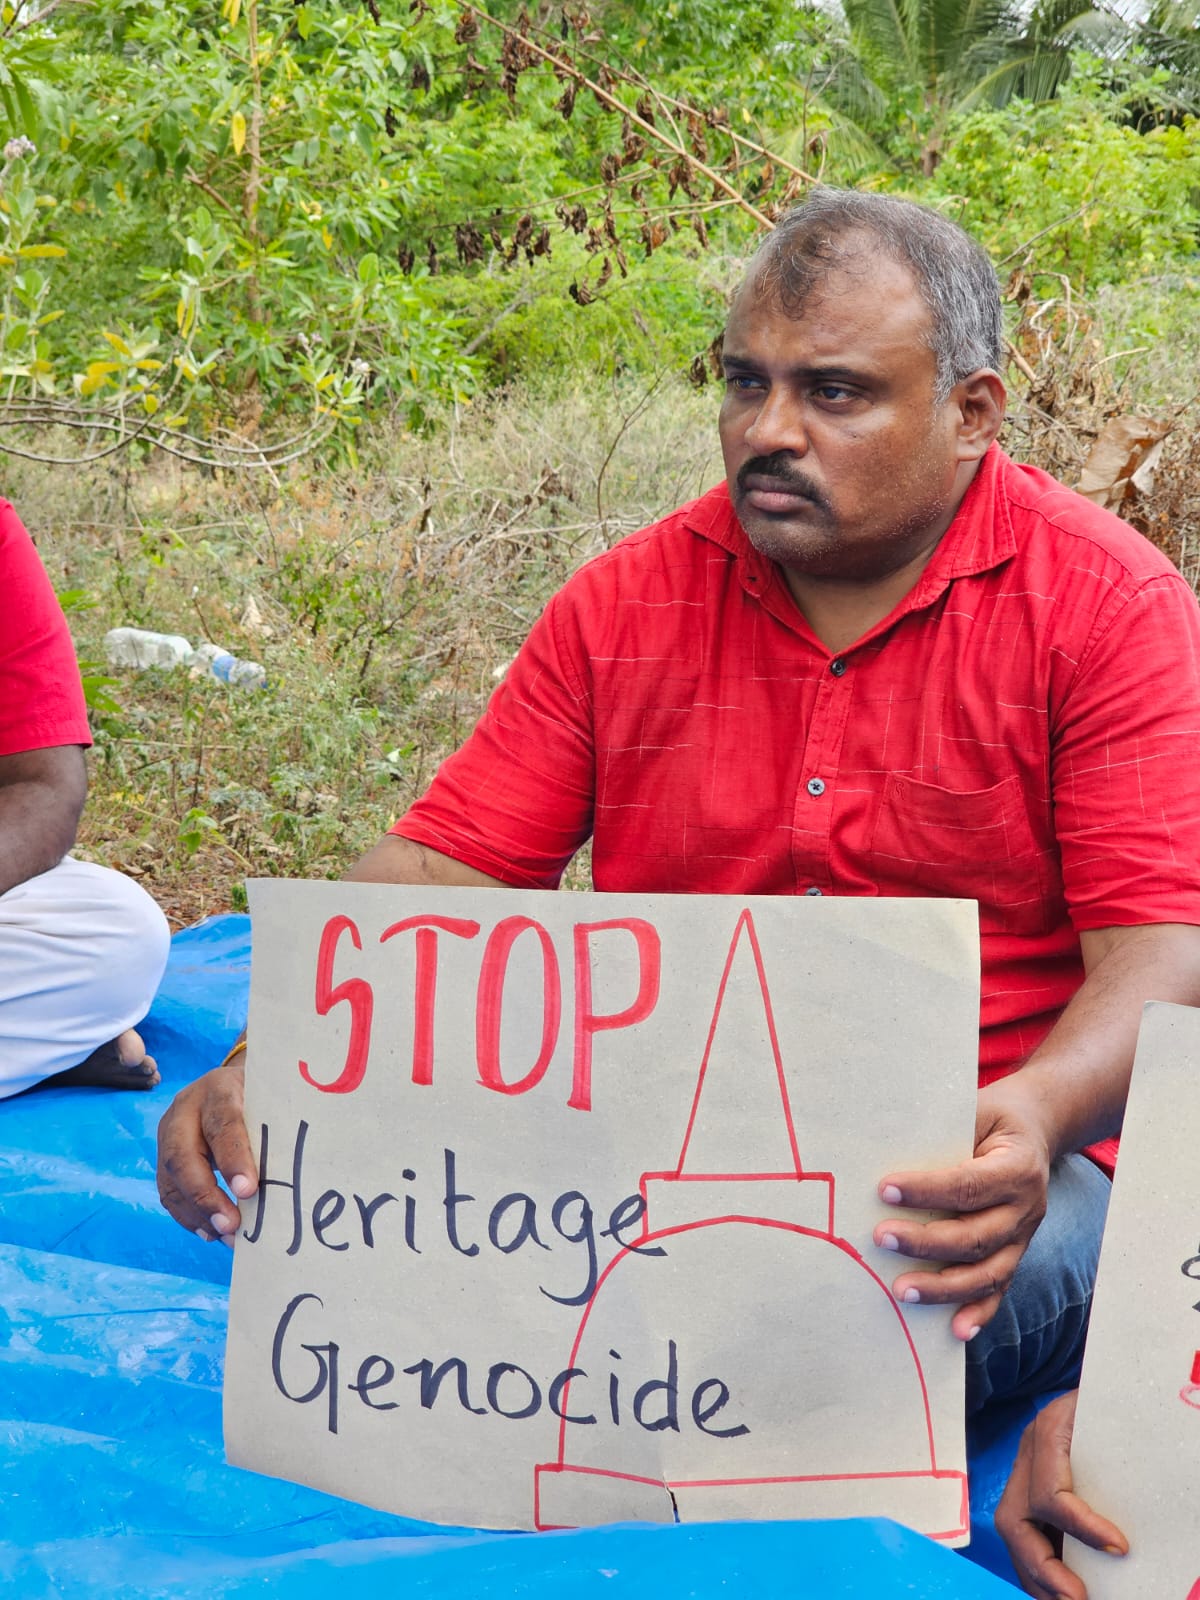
839, 463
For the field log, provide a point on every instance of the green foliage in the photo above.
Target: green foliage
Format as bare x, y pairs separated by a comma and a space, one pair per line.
909, 70
197, 828
302, 194
29, 67
1075, 188
758, 59
386, 600
104, 710
254, 142
246, 220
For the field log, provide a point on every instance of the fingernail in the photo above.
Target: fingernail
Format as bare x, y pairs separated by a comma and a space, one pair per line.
890, 1195
203, 1233
241, 1186
911, 1296
976, 1329
1113, 1550
221, 1224
889, 1241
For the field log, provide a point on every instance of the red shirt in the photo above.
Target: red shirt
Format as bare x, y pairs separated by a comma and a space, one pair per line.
1021, 730
41, 698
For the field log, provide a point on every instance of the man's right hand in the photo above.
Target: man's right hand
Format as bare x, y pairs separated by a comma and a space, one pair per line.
1039, 1505
204, 1129
203, 1132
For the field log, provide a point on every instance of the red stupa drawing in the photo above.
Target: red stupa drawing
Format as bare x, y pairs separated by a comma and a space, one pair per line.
796, 1434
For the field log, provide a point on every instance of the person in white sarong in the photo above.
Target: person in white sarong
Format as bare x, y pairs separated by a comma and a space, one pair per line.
82, 948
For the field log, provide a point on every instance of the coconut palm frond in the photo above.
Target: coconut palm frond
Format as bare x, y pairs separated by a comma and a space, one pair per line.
1175, 49
1032, 71
1178, 17
880, 28
854, 94
853, 150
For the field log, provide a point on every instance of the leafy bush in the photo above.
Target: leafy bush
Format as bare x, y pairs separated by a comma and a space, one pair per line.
268, 198
1074, 186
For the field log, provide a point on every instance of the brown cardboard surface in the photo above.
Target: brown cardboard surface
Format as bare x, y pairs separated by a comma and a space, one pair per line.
569, 1198
1136, 1449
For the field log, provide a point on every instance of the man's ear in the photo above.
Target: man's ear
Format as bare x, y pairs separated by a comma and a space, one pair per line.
981, 399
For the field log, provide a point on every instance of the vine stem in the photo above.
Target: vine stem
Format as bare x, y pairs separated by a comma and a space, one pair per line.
254, 151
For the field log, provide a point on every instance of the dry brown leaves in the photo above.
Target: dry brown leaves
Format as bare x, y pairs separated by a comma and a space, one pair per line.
1072, 416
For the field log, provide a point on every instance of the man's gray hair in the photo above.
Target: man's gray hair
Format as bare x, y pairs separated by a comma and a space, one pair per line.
953, 273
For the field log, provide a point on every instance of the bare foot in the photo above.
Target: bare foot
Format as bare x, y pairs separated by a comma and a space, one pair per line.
122, 1063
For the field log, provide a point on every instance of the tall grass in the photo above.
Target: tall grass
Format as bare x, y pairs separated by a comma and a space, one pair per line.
385, 602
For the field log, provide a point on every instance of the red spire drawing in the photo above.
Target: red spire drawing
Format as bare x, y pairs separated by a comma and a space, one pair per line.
739, 1236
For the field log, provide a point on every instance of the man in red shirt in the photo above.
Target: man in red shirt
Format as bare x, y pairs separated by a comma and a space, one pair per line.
82, 948
880, 659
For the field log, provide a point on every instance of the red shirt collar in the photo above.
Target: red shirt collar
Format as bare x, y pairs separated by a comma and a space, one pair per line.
980, 537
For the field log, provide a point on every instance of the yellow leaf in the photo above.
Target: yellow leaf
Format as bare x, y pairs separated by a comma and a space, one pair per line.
119, 191
88, 386
149, 366
150, 402
117, 343
177, 422
40, 365
41, 252
232, 10
327, 238
237, 129
101, 369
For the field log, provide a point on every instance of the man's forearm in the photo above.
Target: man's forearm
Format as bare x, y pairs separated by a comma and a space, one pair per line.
41, 797
1078, 1077
27, 846
398, 860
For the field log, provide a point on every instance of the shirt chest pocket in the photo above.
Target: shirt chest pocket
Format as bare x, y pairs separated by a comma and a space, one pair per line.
975, 844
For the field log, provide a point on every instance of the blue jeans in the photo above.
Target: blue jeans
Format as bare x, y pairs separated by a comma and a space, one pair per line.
1034, 1343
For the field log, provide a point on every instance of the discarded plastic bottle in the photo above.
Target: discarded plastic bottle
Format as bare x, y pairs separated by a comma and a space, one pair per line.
139, 647
228, 668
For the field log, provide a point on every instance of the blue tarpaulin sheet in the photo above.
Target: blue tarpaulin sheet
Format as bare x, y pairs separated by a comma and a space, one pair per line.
112, 1474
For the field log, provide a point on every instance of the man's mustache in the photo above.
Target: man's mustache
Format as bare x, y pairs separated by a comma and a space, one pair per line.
783, 469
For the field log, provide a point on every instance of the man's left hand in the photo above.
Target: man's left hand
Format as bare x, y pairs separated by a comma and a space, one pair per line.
1039, 1505
996, 1201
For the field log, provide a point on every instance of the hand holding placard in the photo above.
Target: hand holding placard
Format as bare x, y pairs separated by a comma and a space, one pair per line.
1039, 1505
1135, 1453
996, 1201
203, 1133
536, 1242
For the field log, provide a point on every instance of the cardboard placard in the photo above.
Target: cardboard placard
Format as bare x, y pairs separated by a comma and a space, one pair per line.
567, 1203
1136, 1449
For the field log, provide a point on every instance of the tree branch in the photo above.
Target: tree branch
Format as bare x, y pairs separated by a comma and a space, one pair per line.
605, 98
